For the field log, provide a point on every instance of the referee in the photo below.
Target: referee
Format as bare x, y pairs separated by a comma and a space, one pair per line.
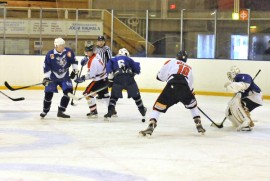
103, 50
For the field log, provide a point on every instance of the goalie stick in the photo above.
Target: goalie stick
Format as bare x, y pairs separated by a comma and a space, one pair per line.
221, 124
84, 96
24, 87
13, 99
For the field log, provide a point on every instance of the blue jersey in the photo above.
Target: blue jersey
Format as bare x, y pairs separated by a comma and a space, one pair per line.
56, 65
247, 79
120, 63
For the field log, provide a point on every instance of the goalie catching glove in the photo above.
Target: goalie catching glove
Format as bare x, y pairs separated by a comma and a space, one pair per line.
235, 87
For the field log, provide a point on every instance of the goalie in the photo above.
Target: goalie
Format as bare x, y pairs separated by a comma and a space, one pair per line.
248, 97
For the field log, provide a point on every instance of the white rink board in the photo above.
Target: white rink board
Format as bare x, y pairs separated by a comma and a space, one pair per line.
210, 75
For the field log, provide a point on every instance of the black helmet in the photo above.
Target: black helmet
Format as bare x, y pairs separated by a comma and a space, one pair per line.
89, 48
182, 55
101, 38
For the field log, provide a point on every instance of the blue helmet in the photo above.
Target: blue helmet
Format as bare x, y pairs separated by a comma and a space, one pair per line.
182, 55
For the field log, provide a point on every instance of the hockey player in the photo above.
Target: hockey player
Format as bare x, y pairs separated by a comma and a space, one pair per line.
248, 97
121, 71
56, 73
96, 70
179, 88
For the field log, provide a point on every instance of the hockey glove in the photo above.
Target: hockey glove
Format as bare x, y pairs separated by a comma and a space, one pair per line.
73, 74
80, 79
46, 81
84, 61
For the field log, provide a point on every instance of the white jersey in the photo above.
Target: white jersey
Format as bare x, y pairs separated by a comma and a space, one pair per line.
96, 69
175, 66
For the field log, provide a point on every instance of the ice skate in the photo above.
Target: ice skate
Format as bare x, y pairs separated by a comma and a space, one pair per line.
92, 114
245, 126
143, 111
199, 125
149, 130
114, 114
108, 116
43, 114
111, 111
61, 114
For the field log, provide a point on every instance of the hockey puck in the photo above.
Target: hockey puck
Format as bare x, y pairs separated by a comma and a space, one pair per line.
143, 120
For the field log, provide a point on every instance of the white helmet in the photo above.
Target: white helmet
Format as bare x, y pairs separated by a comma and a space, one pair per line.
233, 72
123, 51
59, 41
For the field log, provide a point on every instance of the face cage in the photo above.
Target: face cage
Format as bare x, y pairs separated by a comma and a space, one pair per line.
231, 76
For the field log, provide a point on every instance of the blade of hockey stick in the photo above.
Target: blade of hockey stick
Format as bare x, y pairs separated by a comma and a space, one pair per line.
13, 99
24, 87
90, 94
219, 126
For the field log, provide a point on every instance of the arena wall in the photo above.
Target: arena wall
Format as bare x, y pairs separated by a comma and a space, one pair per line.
209, 75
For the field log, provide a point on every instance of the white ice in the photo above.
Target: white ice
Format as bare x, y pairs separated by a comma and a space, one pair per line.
82, 149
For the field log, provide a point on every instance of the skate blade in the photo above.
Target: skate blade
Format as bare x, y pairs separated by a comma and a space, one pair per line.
59, 118
92, 117
115, 115
107, 119
202, 133
142, 133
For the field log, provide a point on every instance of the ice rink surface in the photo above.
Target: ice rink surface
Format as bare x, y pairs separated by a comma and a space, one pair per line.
82, 149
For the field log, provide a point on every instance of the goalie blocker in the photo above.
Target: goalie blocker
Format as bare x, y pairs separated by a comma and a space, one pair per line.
238, 114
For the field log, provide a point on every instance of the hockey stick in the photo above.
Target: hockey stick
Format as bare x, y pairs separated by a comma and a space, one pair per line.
24, 87
90, 94
13, 99
72, 103
221, 124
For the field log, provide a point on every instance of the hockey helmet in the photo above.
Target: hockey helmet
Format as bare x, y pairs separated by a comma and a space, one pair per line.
101, 38
233, 72
123, 52
59, 41
182, 55
89, 48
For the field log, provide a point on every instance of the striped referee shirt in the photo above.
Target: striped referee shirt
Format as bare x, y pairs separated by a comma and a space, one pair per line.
105, 52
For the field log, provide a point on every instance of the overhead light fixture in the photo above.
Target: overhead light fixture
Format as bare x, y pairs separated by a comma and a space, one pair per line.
235, 16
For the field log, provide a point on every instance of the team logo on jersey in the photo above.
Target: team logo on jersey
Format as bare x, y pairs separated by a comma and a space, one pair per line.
69, 54
52, 56
61, 61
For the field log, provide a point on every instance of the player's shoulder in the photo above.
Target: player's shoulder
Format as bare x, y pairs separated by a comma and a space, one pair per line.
96, 57
241, 75
50, 54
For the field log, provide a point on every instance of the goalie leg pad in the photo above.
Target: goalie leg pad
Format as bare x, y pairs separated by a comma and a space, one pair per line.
237, 114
